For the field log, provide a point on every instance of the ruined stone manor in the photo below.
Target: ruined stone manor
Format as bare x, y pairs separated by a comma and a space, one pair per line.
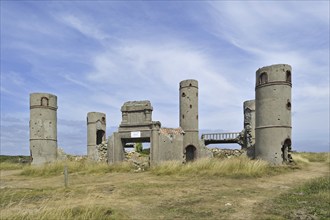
266, 132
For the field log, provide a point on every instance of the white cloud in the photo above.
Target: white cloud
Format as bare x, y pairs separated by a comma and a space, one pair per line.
96, 56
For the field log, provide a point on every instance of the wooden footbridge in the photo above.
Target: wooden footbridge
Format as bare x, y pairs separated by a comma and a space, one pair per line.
221, 138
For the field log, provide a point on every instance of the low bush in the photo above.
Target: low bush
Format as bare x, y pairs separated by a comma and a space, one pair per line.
13, 162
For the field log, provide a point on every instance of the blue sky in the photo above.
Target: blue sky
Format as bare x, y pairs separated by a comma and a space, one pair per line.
96, 55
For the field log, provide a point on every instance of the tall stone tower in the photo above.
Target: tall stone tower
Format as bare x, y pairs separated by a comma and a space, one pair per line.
273, 113
249, 109
96, 127
43, 128
189, 117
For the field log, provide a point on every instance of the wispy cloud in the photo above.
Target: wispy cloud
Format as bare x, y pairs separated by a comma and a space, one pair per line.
96, 55
84, 27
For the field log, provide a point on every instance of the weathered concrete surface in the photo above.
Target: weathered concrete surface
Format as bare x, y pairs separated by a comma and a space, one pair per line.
96, 128
171, 144
136, 112
273, 113
115, 148
43, 128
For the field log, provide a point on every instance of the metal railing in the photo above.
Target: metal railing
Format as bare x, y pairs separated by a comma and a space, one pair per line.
220, 136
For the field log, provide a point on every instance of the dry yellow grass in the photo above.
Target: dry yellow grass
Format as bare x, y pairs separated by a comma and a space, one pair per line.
241, 167
205, 189
81, 167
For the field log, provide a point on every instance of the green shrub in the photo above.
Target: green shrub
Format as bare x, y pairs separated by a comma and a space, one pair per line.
13, 162
138, 147
14, 159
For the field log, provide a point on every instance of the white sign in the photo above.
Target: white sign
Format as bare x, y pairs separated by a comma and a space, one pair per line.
135, 134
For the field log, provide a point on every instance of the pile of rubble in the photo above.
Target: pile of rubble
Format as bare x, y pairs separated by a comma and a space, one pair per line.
101, 152
139, 161
227, 153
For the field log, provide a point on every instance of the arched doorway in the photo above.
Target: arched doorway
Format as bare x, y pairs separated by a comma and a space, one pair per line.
99, 136
190, 153
286, 148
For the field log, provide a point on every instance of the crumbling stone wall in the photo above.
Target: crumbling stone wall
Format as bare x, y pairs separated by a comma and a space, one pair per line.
227, 153
246, 137
101, 152
96, 127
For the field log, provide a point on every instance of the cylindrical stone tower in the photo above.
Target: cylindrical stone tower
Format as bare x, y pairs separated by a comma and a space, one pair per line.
43, 128
189, 117
273, 113
249, 109
96, 127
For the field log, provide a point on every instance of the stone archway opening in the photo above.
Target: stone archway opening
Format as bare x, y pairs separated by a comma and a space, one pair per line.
263, 78
190, 153
286, 149
133, 144
99, 136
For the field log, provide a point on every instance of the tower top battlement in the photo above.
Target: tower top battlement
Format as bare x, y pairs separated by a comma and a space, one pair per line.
274, 74
189, 83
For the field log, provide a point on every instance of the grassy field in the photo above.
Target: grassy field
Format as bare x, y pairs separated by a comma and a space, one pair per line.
235, 188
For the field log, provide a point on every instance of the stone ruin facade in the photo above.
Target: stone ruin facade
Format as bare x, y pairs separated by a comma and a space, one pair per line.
266, 130
166, 144
246, 137
96, 135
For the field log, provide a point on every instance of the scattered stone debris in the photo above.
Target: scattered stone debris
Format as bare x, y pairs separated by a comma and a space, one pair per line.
227, 153
101, 152
61, 155
76, 158
140, 161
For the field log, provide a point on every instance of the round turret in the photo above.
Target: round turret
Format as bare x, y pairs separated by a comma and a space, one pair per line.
189, 117
273, 113
43, 127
